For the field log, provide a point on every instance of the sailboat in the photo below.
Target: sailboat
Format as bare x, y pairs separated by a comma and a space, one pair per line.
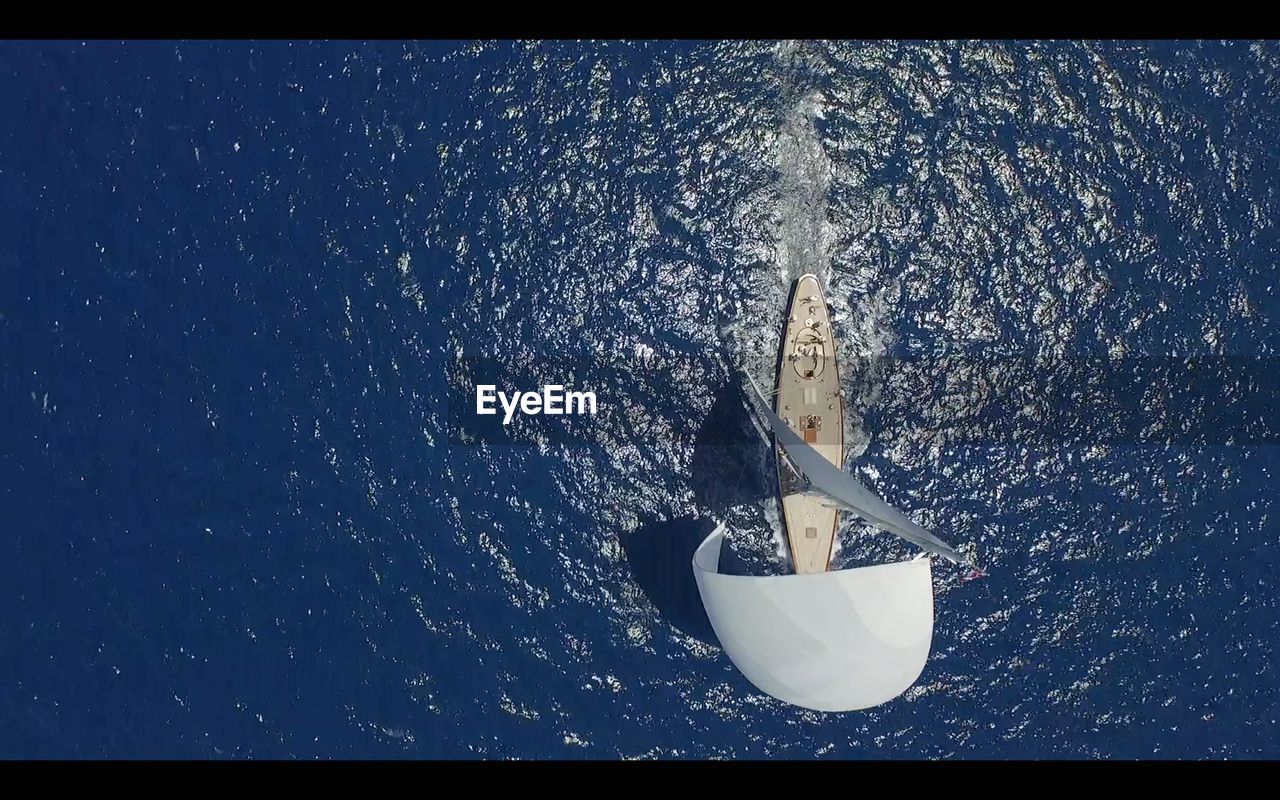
823, 639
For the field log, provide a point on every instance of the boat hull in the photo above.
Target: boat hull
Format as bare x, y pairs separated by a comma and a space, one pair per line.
808, 399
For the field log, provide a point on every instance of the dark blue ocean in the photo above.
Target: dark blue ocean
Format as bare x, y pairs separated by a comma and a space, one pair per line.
245, 290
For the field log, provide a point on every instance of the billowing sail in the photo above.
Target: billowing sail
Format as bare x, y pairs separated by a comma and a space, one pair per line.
831, 641
845, 491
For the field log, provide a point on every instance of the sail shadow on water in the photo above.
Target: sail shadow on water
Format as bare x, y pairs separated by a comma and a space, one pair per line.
659, 553
726, 472
726, 469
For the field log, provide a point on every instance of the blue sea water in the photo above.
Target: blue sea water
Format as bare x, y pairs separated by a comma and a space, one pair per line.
242, 285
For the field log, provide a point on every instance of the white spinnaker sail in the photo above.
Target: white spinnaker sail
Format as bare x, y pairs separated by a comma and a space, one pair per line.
829, 641
845, 491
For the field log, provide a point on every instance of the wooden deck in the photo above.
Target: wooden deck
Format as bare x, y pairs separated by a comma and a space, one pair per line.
808, 399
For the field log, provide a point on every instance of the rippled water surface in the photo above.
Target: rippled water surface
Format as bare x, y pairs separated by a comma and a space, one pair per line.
245, 290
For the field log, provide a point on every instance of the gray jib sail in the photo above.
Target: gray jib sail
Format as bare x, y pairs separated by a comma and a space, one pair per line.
845, 491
